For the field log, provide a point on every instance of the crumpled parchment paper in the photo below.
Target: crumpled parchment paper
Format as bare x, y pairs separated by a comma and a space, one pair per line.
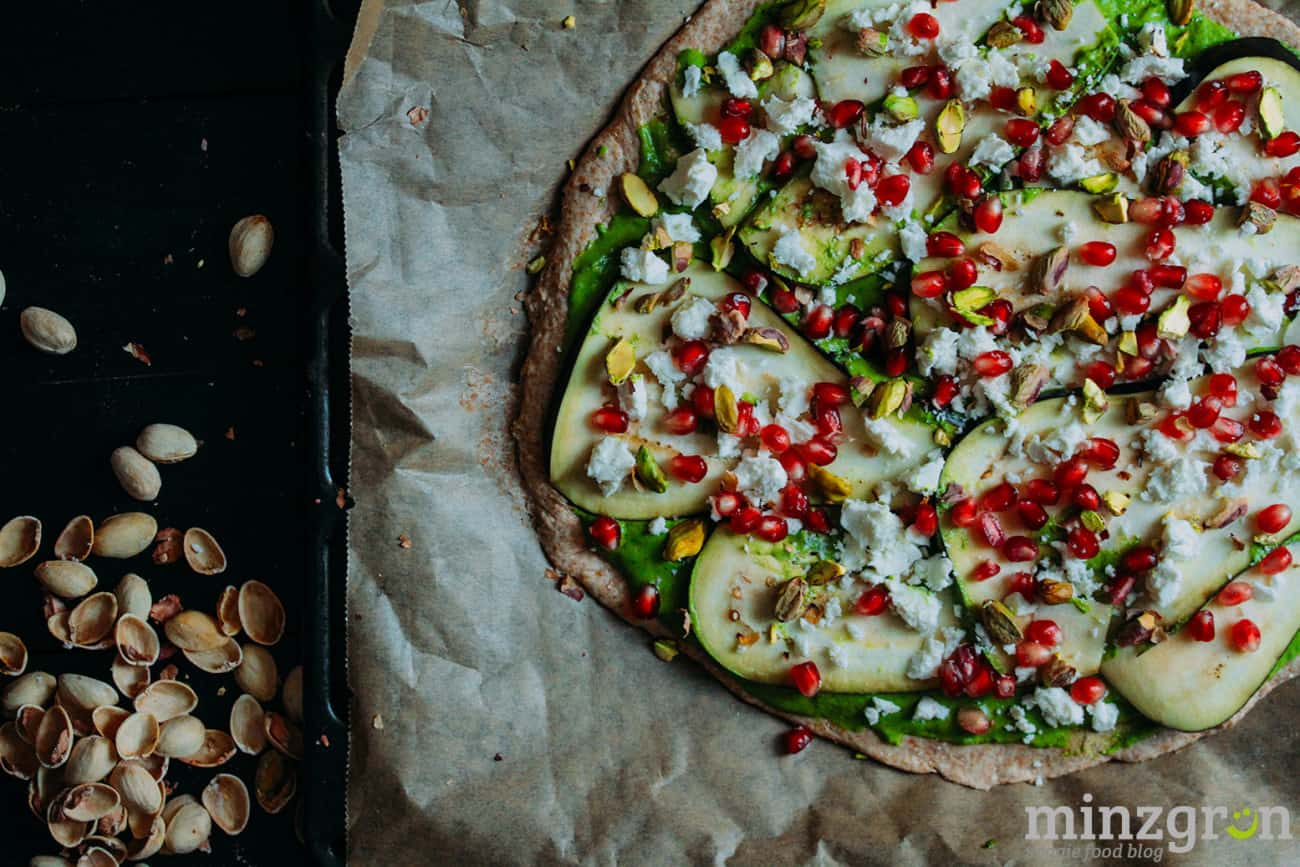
495, 720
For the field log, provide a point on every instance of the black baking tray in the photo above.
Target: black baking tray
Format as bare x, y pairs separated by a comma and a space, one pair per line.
133, 136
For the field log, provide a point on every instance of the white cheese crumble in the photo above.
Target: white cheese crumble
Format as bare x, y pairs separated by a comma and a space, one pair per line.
1227, 353
723, 368
735, 76
928, 709
691, 80
634, 397
786, 116
886, 436
611, 461
642, 266
992, 151
877, 543
1104, 715
1178, 480
690, 182
879, 707
828, 173
1144, 66
890, 141
789, 251
939, 353
755, 150
658, 526
1089, 132
925, 478
919, 609
912, 237
924, 664
691, 321
1056, 706
678, 227
1072, 163
705, 135
760, 478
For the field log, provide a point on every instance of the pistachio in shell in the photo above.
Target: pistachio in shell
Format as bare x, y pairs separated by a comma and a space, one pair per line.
141, 794
291, 694
226, 658
181, 737
137, 736
257, 674
949, 126
228, 611
13, 654
76, 540
685, 539
57, 624
250, 244
638, 194
137, 643
123, 536
194, 630
800, 14
247, 727
203, 553
261, 613
217, 749
90, 802
187, 830
999, 623
17, 757
20, 539
108, 719
282, 734
792, 601
93, 759
150, 841
34, 687
66, 579
80, 693
98, 854
137, 475
92, 620
47, 331
726, 410
66, 832
166, 700
133, 596
275, 782
27, 721
129, 678
173, 806
166, 443
54, 738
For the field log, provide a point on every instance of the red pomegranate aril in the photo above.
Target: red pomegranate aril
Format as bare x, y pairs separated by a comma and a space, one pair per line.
1160, 244
831, 393
1229, 116
1265, 425
1267, 193
958, 669
1098, 304
1136, 368
645, 602
962, 273
1245, 82
896, 361
1029, 27
817, 521
728, 503
702, 400
853, 173
733, 129
844, 112
1176, 427
1155, 118
1192, 123
774, 438
796, 740
897, 303
1156, 92
995, 362
827, 421
773, 529
1060, 130
818, 451
974, 721
989, 530
1029, 165
1082, 543
945, 389
1072, 472
1139, 559
1020, 549
738, 302
1171, 211
1000, 311
984, 570
1098, 106
1031, 654
1085, 497
926, 521
1058, 77
1101, 452
1004, 685
1130, 301
1197, 212
681, 421
1087, 690
736, 107
1227, 430
1145, 210
998, 498
784, 301
1272, 519
964, 512
1042, 491
1203, 287
923, 25
1118, 589
1097, 253
605, 532
754, 282
691, 356
846, 319
893, 189
1021, 131
804, 147
1002, 98
807, 679
1285, 145
1235, 593
1205, 319
688, 468
771, 41
962, 182
1211, 95
796, 470
929, 284
920, 156
1161, 274
745, 519
980, 684
1205, 412
1201, 626
1245, 636
817, 322
1269, 372
940, 84
1224, 387
1022, 583
610, 419
988, 215
1275, 561
746, 424
872, 602
1288, 358
1032, 515
914, 76
944, 244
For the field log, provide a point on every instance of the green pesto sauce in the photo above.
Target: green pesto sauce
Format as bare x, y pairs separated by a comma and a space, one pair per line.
747, 38
595, 271
639, 557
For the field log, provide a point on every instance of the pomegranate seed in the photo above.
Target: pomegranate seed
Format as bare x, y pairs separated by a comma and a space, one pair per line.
1029, 27
895, 362
923, 25
1082, 543
1071, 473
1201, 626
1130, 301
1288, 358
1031, 654
738, 302
1211, 95
1235, 593
988, 214
610, 419
688, 468
940, 85
1192, 123
874, 601
774, 438
818, 451
1155, 118
897, 303
1205, 412
817, 322
893, 189
1032, 515
745, 520
844, 112
773, 529
1021, 132
1245, 636
945, 389
795, 468
1004, 685
964, 183
926, 521
1118, 589
981, 684
993, 363
807, 679
1285, 145
784, 301
1139, 558
681, 421
999, 498
929, 284
962, 273
963, 512
1205, 287
1164, 274
1086, 497
605, 532
1098, 253
974, 721
733, 129
1058, 77
818, 522
1003, 98
796, 740
1022, 583
1156, 92
1000, 312
944, 244
645, 602
1100, 372
1265, 425
828, 422
990, 530
1176, 427
735, 107
853, 173
984, 570
1197, 212
1060, 130
1292, 304
1087, 690
1146, 210
1245, 82
1269, 371
1160, 244
803, 147
728, 503
831, 393
920, 156
1205, 319
1224, 387
1136, 368
958, 669
1227, 430
1029, 165
771, 40
794, 502
1098, 304
1020, 549
1267, 192
747, 425
1229, 116
691, 356
1171, 211
702, 401
1275, 561
1273, 518
1098, 106
1043, 491
914, 76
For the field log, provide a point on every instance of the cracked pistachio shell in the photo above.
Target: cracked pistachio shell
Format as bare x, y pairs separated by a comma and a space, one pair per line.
228, 611
17, 757
187, 830
251, 240
141, 794
194, 630
112, 824
13, 654
137, 643
217, 749
92, 620
47, 331
28, 721
76, 539
261, 613
90, 802
80, 693
257, 675
276, 781
282, 734
166, 443
93, 758
247, 727
124, 536
150, 842
49, 861
138, 736
166, 700
108, 719
54, 738
130, 679
292, 694
133, 596
99, 855
34, 687
203, 553
20, 539
66, 579
66, 832
227, 802
226, 658
137, 475
181, 737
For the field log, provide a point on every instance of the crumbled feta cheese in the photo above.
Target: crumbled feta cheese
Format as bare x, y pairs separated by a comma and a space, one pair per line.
1144, 66
678, 227
1227, 353
879, 707
1089, 132
753, 152
1176, 394
828, 174
890, 141
691, 79
723, 368
1153, 40
992, 151
1181, 539
634, 397
934, 572
1017, 713
735, 76
919, 609
690, 182
611, 461
1104, 716
928, 709
705, 135
925, 478
939, 353
1056, 706
728, 446
760, 478
1266, 310
661, 365
1071, 163
658, 526
1176, 481
642, 266
912, 237
1116, 89
789, 251
691, 321
877, 542
794, 396
786, 116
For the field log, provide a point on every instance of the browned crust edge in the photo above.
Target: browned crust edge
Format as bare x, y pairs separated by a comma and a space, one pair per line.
558, 527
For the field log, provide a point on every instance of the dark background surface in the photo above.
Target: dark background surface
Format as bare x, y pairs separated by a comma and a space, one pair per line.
132, 136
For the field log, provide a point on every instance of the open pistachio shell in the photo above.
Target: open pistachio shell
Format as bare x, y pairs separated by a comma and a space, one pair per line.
217, 749
28, 722
92, 620
181, 737
34, 687
282, 734
123, 536
99, 855
133, 596
257, 675
173, 806
17, 757
108, 719
80, 693
66, 832
76, 540
141, 794
92, 759
203, 553
113, 823
45, 787
59, 625
225, 658
54, 738
228, 611
276, 781
227, 802
129, 679
136, 640
194, 630
247, 727
156, 765
187, 830
166, 700
66, 579
20, 539
13, 654
90, 802
137, 736
261, 613
150, 842
291, 694
166, 443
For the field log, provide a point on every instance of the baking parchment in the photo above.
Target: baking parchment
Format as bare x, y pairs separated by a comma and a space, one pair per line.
495, 720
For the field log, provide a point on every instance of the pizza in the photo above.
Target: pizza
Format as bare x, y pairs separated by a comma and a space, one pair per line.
924, 371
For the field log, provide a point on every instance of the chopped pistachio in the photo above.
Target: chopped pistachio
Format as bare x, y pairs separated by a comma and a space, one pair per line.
1055, 12
1272, 120
620, 361
832, 487
1055, 592
666, 649
721, 249
1139, 411
638, 195
767, 338
1128, 343
801, 14
792, 601
759, 65
887, 398
823, 572
1103, 183
682, 251
1095, 402
1130, 124
1262, 217
1116, 501
569, 22
650, 473
1057, 672
872, 42
726, 411
999, 623
1003, 34
537, 265
1173, 322
949, 126
1245, 450
1112, 209
1180, 11
1027, 383
1048, 272
1093, 521
1027, 100
685, 539
901, 108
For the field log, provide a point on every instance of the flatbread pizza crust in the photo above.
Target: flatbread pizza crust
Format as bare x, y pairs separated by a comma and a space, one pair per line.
615, 150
